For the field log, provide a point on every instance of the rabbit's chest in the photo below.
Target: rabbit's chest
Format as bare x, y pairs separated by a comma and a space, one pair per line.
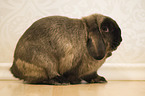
90, 66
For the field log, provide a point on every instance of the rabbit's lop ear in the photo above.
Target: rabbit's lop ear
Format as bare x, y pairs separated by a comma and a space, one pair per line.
95, 44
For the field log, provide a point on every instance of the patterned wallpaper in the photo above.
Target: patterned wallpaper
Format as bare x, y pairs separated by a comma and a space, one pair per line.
17, 15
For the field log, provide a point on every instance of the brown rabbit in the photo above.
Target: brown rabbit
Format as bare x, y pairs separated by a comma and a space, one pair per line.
59, 50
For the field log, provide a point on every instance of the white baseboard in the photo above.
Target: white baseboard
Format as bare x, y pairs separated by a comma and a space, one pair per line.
4, 71
123, 71
109, 71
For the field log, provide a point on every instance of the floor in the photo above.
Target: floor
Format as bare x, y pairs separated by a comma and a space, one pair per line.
112, 88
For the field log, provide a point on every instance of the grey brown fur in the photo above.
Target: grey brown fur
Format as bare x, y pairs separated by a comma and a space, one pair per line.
60, 50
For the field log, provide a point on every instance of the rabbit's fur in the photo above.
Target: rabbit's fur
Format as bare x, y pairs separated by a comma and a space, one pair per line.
58, 50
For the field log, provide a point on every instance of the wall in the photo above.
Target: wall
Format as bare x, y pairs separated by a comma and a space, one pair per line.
17, 15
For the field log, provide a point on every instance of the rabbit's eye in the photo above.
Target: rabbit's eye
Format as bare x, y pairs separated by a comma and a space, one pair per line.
105, 29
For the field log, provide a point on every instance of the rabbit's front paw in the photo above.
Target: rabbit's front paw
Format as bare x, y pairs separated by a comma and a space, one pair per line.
98, 79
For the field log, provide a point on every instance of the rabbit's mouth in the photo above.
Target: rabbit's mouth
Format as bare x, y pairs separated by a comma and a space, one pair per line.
115, 44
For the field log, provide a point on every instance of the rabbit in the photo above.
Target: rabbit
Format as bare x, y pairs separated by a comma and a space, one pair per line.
57, 50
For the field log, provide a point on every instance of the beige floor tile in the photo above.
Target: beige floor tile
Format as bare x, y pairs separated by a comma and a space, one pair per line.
112, 88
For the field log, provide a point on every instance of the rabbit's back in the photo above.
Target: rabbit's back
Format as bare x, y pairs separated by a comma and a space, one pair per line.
56, 33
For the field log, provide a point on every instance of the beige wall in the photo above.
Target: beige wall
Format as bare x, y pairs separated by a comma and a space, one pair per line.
17, 15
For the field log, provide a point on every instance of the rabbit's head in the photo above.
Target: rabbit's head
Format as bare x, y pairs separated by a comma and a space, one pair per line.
104, 35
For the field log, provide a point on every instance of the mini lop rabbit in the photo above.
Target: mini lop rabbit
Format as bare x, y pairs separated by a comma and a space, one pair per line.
61, 50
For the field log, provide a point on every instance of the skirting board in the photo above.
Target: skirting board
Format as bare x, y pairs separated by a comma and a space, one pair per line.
110, 71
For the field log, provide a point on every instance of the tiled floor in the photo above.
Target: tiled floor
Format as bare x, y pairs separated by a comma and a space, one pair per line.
112, 88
